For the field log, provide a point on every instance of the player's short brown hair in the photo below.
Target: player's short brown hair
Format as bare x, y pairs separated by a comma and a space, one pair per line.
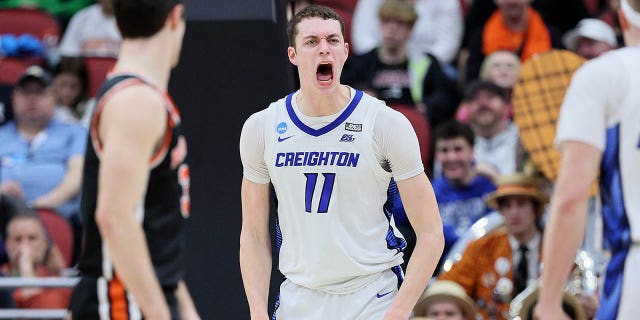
141, 18
314, 11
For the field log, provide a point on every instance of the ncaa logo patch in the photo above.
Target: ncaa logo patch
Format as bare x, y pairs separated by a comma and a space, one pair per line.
347, 138
282, 127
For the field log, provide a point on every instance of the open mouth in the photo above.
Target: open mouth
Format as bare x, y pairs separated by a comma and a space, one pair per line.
324, 72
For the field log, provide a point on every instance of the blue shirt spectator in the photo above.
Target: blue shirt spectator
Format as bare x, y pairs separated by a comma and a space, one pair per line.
41, 158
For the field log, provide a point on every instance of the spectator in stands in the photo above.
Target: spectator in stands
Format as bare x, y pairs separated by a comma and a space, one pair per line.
460, 190
92, 32
445, 300
514, 27
29, 250
501, 68
438, 29
591, 38
62, 9
296, 5
41, 157
497, 146
398, 78
492, 269
70, 88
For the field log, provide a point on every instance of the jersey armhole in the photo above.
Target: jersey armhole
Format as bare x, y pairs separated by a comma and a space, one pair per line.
172, 119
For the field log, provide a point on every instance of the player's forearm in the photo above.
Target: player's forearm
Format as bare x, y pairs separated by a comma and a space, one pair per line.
429, 246
127, 247
562, 239
255, 265
185, 303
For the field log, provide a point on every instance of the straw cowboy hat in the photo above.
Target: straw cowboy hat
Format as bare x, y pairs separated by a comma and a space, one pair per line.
517, 185
442, 290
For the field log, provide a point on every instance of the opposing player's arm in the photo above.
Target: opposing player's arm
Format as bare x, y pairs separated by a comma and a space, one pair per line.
421, 207
185, 304
131, 126
255, 240
569, 206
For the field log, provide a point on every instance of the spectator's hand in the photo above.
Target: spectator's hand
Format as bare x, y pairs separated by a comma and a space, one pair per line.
590, 304
12, 188
26, 260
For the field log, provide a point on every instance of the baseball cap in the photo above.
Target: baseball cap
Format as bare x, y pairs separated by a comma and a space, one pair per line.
34, 73
482, 85
594, 29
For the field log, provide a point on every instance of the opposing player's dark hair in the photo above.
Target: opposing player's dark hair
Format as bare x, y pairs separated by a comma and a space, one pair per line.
142, 18
313, 11
453, 129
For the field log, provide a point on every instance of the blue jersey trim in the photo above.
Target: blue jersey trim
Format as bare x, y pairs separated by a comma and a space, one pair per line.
616, 224
393, 201
345, 114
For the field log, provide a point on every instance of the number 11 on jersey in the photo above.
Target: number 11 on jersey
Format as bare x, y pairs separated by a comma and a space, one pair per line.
327, 189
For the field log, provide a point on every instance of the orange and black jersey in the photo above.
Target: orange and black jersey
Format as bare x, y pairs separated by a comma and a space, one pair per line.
165, 204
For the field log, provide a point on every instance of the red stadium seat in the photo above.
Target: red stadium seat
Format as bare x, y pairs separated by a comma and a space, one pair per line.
38, 23
60, 232
345, 9
98, 68
11, 70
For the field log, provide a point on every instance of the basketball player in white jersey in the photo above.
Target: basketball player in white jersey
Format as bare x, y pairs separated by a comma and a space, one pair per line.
331, 153
599, 132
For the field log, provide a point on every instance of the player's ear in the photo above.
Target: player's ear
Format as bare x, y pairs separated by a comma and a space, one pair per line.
176, 16
624, 24
291, 53
346, 48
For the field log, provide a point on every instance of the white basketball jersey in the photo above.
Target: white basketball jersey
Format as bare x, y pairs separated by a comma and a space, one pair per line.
602, 108
335, 232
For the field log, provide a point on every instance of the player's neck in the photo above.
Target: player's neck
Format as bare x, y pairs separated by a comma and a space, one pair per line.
317, 104
155, 66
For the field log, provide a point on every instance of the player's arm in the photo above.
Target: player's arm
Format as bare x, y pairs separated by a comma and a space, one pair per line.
68, 188
420, 204
564, 231
399, 146
185, 304
131, 126
255, 247
255, 240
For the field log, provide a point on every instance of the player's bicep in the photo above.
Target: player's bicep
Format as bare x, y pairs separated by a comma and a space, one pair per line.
131, 126
420, 203
255, 207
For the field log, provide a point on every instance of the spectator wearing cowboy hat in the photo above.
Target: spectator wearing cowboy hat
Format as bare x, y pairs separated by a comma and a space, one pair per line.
445, 300
492, 270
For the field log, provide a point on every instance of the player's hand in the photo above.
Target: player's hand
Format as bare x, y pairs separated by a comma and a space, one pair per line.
395, 314
546, 312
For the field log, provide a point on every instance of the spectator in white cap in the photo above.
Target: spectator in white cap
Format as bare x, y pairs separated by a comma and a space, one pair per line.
591, 38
